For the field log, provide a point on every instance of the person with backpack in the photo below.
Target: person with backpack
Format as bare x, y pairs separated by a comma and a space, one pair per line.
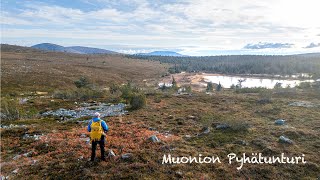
97, 128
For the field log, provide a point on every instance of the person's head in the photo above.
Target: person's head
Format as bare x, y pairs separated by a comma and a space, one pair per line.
96, 114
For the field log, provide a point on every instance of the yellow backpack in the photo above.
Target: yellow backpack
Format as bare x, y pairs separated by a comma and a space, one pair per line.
96, 131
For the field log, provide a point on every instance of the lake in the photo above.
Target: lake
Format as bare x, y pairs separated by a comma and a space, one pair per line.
251, 82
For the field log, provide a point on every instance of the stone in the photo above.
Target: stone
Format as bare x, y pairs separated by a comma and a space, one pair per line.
111, 153
170, 117
23, 100
241, 142
27, 154
279, 121
205, 130
154, 138
192, 117
179, 174
15, 171
88, 109
83, 136
12, 126
167, 148
127, 156
16, 157
34, 161
25, 136
284, 139
152, 129
302, 104
81, 157
222, 126
187, 136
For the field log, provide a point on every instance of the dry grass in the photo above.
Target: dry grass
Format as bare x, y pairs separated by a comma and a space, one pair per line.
179, 116
178, 119
29, 69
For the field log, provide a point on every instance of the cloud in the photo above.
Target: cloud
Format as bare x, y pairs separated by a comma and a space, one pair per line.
164, 23
266, 45
313, 45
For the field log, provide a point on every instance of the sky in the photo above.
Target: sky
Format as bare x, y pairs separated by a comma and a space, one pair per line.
189, 27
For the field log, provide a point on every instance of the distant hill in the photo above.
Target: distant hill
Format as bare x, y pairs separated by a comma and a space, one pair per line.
72, 49
161, 53
16, 48
309, 55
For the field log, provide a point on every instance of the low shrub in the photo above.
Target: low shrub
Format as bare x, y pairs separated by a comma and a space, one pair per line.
251, 90
10, 109
157, 99
82, 82
137, 101
79, 94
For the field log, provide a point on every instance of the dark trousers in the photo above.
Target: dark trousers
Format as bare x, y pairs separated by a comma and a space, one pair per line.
94, 147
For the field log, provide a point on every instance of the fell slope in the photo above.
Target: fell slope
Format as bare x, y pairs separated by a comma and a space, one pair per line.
29, 69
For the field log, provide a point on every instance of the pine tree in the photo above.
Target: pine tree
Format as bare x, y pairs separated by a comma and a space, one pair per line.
174, 83
219, 87
209, 87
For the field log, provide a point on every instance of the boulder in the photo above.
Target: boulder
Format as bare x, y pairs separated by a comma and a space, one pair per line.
111, 153
152, 128
179, 174
302, 104
16, 157
192, 117
127, 156
286, 140
187, 136
154, 138
205, 130
167, 148
28, 154
222, 126
15, 171
279, 122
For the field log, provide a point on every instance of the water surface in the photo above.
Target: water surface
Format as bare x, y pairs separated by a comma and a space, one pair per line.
251, 82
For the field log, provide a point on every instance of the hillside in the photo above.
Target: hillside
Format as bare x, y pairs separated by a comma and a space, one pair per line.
72, 49
29, 69
44, 134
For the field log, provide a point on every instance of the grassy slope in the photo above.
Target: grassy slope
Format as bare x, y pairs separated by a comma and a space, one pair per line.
62, 154
129, 135
26, 69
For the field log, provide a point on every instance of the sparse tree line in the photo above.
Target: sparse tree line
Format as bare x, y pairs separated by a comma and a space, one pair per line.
241, 64
12, 109
128, 92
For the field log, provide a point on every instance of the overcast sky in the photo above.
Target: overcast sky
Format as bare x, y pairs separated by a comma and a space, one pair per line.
189, 27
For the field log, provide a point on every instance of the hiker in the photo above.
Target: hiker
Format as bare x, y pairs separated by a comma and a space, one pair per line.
97, 128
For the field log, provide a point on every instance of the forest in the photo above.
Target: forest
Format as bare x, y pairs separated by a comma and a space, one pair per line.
242, 64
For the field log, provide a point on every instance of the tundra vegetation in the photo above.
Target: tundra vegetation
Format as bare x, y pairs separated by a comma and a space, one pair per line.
226, 120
